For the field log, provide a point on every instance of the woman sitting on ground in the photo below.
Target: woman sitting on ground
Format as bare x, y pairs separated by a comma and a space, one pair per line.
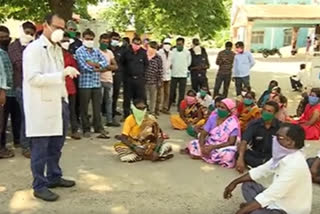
217, 141
204, 97
282, 114
250, 111
310, 120
191, 113
265, 96
142, 138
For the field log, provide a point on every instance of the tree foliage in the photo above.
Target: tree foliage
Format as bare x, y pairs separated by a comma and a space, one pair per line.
36, 9
166, 17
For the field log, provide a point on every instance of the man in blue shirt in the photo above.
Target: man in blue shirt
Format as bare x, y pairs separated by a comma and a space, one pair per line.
91, 63
243, 62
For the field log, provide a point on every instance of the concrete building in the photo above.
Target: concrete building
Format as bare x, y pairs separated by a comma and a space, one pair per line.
274, 23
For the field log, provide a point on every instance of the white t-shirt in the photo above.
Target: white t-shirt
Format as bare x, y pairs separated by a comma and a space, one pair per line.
107, 76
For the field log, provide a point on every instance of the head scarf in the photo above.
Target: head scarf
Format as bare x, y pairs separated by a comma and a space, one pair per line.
231, 105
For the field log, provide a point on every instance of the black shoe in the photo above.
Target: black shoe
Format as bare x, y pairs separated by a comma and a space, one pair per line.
113, 124
62, 183
46, 195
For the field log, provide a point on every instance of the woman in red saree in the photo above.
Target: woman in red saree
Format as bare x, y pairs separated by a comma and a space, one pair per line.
310, 119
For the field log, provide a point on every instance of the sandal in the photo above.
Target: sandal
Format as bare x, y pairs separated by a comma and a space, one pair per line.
6, 153
167, 157
104, 135
184, 151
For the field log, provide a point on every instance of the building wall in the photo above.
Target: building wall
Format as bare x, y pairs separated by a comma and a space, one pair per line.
278, 1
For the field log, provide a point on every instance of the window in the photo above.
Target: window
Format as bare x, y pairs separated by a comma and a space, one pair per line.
287, 37
258, 37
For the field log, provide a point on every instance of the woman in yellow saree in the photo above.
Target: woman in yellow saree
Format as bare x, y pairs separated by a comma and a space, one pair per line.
142, 138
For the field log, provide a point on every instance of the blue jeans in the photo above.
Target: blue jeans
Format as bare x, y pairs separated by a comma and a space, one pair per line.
24, 141
107, 97
46, 151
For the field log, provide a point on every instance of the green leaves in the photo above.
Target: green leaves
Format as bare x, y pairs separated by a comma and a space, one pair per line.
164, 17
36, 9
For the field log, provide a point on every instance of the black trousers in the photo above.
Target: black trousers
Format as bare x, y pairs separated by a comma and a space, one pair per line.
226, 80
241, 82
93, 95
12, 109
254, 159
73, 114
133, 88
295, 84
175, 81
117, 81
199, 80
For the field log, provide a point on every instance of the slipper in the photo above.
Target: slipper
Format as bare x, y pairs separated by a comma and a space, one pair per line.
5, 153
167, 157
103, 136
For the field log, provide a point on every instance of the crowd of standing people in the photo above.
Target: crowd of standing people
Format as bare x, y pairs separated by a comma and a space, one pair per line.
49, 81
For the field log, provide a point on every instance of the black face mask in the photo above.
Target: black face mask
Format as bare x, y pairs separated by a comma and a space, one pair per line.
4, 44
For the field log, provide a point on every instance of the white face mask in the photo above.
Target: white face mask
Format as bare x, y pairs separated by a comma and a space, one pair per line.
25, 39
88, 43
56, 35
167, 47
65, 45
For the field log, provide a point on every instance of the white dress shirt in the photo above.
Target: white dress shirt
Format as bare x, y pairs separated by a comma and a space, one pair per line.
180, 63
43, 88
166, 64
291, 189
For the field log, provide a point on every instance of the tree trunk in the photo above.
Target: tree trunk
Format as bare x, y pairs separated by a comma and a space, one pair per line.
63, 8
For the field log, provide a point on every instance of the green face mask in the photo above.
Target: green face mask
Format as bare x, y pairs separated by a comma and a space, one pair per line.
103, 46
138, 114
223, 113
267, 116
247, 102
179, 48
72, 34
203, 93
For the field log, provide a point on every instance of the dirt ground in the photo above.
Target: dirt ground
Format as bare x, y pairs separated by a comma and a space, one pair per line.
105, 185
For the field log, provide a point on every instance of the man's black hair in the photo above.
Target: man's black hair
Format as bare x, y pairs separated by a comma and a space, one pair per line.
228, 44
114, 34
295, 133
302, 66
180, 39
88, 32
240, 44
195, 41
29, 25
153, 44
126, 39
136, 38
4, 29
105, 36
274, 105
48, 18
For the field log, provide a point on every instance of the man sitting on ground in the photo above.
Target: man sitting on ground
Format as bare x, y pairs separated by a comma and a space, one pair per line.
314, 164
259, 137
291, 189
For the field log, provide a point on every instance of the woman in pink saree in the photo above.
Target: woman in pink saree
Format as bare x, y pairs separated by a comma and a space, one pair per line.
216, 144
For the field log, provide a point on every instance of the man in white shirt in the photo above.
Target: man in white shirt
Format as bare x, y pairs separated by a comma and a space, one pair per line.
46, 110
181, 60
291, 189
163, 97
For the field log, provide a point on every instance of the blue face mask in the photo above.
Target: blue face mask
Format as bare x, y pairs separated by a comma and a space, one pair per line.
313, 100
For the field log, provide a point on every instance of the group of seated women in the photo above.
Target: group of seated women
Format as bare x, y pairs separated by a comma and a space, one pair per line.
216, 124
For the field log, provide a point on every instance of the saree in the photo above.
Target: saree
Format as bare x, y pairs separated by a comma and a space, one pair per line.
191, 114
248, 114
218, 135
149, 133
312, 131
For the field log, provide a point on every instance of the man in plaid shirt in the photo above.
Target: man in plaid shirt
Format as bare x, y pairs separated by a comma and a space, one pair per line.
91, 63
9, 106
